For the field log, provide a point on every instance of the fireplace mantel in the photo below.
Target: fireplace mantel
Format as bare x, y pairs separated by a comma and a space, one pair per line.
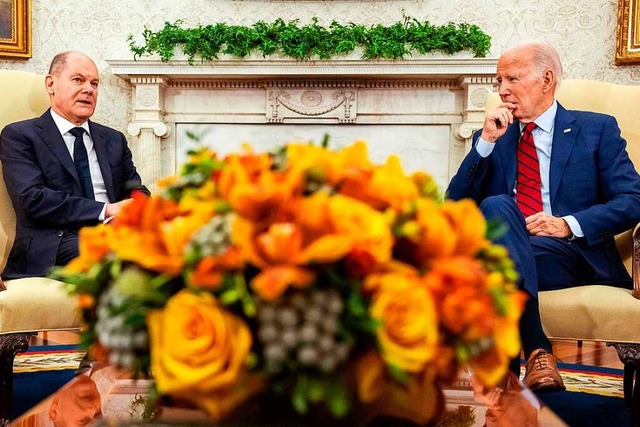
442, 68
413, 92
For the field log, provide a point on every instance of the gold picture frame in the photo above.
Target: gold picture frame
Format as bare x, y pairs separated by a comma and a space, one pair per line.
628, 32
15, 28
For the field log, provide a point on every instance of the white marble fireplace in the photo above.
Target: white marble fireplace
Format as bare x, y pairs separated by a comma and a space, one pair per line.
424, 110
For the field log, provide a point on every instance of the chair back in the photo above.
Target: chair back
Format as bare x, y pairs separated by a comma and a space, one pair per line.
619, 101
23, 97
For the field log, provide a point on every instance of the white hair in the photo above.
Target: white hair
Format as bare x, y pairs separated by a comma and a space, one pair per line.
545, 57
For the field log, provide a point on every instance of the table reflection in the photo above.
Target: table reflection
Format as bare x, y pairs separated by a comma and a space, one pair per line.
107, 396
76, 404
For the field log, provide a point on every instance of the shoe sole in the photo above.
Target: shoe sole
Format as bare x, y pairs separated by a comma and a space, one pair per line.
548, 389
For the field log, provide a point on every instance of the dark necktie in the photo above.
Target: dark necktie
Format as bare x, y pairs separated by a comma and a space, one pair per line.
528, 183
81, 159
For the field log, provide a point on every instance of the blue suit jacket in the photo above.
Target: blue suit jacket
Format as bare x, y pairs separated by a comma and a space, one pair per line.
45, 190
591, 177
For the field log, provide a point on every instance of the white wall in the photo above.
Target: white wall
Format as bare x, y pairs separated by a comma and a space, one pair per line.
583, 31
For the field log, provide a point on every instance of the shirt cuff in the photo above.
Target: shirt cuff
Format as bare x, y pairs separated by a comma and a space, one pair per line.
484, 148
103, 212
574, 226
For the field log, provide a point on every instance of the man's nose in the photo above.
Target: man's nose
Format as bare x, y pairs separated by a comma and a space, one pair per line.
503, 88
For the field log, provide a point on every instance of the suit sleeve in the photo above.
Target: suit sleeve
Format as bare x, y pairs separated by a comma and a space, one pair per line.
618, 207
130, 180
27, 185
469, 180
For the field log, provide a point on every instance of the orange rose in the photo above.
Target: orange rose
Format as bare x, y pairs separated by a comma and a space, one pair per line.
459, 286
469, 225
435, 236
418, 399
93, 247
198, 349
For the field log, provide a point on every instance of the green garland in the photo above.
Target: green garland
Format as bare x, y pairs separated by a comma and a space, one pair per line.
396, 41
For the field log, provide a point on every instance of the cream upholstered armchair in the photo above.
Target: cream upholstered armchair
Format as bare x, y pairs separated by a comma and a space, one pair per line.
602, 313
35, 304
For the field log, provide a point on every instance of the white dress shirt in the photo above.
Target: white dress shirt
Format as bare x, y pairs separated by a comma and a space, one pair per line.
99, 189
543, 139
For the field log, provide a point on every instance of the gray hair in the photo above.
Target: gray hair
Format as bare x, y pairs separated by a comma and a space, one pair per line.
59, 62
545, 57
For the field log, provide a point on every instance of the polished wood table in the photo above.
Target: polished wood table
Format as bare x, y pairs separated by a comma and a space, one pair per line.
105, 396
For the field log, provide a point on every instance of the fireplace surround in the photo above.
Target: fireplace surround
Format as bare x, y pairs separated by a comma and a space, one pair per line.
423, 109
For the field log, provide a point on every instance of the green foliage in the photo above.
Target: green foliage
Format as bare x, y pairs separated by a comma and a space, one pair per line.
311, 41
310, 389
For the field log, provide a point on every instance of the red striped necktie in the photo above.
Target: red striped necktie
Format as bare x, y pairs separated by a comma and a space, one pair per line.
528, 183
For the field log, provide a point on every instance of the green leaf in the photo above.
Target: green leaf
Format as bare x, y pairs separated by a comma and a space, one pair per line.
496, 229
317, 390
338, 399
398, 374
229, 297
299, 398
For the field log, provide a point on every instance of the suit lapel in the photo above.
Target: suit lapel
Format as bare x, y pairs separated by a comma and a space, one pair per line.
50, 134
100, 145
565, 131
507, 145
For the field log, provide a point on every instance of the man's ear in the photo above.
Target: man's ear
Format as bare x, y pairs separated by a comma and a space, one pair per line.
53, 409
48, 83
548, 81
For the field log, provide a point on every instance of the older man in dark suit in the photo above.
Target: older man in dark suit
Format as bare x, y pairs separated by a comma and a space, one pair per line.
62, 170
563, 183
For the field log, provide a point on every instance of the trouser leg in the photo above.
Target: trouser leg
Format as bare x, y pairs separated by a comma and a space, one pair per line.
517, 241
68, 248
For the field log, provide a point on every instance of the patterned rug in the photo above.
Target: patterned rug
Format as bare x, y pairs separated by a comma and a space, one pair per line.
48, 358
592, 380
577, 378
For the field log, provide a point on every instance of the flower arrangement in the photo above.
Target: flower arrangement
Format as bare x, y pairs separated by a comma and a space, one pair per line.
309, 272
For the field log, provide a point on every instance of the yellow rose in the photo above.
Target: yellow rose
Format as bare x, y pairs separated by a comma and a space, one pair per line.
382, 187
367, 228
198, 349
409, 332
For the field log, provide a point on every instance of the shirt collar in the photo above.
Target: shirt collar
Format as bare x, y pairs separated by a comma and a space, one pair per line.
65, 125
546, 120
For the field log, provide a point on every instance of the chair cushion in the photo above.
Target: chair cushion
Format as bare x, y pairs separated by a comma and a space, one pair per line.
598, 313
37, 304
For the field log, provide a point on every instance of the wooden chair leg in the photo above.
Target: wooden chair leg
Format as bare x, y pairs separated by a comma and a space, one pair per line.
635, 402
629, 355
10, 345
629, 375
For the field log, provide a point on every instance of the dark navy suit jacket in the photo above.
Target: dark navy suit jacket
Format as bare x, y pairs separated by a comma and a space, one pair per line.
45, 190
591, 177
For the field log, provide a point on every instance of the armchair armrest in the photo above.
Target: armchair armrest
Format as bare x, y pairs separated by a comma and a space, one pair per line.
635, 261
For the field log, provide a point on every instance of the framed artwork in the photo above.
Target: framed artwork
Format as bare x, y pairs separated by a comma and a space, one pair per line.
628, 32
15, 28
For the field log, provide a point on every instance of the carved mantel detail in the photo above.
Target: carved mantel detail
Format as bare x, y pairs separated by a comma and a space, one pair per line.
335, 103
